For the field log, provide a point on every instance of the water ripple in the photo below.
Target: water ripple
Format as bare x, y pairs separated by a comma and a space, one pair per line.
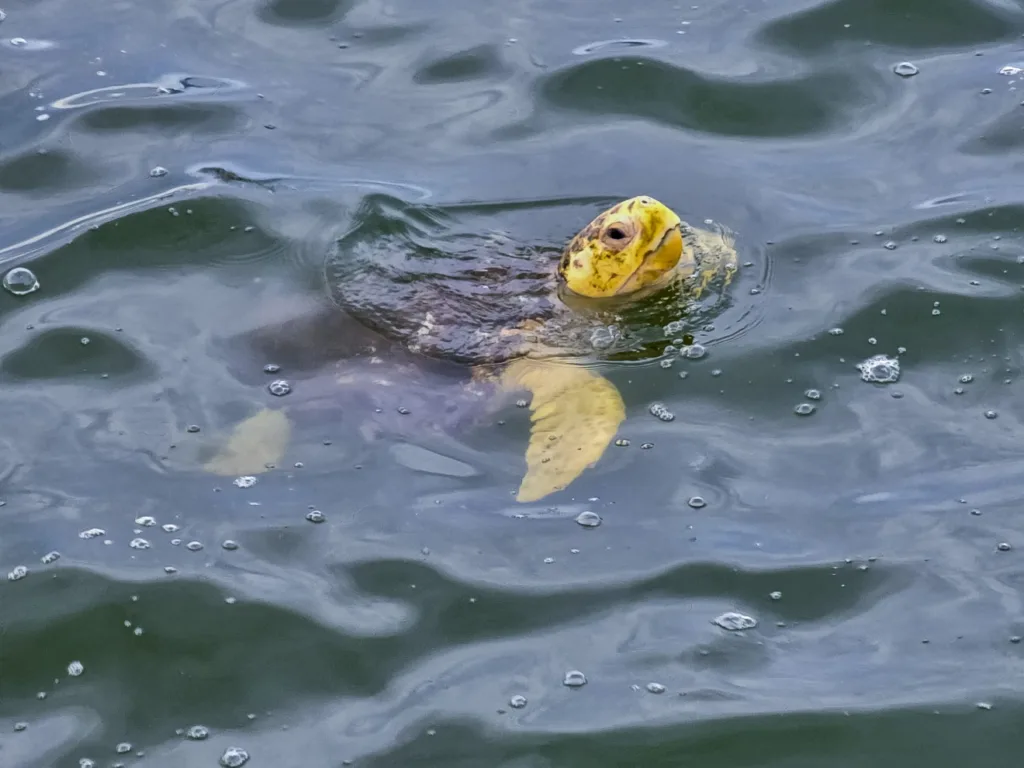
639, 87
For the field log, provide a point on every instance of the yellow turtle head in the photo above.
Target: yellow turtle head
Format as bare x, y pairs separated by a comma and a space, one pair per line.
634, 245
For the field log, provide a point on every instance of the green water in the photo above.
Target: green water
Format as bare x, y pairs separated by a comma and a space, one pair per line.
876, 541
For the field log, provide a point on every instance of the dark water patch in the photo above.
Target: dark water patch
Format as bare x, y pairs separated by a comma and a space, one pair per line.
674, 96
382, 35
927, 256
46, 171
482, 611
923, 24
303, 12
1001, 136
70, 353
479, 63
206, 232
170, 120
944, 735
187, 630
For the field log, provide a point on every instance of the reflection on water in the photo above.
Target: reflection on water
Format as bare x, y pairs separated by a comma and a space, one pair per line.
175, 176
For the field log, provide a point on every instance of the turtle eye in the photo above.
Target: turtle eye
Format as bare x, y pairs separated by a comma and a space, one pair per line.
615, 233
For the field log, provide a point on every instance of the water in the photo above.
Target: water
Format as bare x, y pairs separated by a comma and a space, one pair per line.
388, 600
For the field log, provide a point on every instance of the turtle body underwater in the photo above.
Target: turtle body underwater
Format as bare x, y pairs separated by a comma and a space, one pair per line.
534, 322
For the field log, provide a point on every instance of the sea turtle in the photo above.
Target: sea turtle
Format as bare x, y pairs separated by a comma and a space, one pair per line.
525, 319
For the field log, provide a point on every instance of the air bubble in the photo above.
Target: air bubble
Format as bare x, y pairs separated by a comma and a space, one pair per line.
674, 328
76, 668
234, 757
21, 281
905, 69
588, 519
697, 502
246, 481
812, 394
655, 688
735, 622
315, 516
603, 338
145, 521
517, 702
693, 351
17, 573
158, 171
197, 732
574, 679
139, 544
804, 409
279, 388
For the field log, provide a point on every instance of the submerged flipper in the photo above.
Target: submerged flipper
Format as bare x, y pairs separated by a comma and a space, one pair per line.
575, 414
260, 440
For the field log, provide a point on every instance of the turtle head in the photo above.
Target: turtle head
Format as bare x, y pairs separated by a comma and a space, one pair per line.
635, 244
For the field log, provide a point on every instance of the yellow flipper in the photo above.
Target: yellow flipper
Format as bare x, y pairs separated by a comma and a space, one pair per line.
254, 443
575, 415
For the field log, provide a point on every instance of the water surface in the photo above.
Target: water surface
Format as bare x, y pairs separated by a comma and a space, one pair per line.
175, 174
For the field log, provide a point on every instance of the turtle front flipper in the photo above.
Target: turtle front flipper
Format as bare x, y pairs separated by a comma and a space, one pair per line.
254, 445
575, 414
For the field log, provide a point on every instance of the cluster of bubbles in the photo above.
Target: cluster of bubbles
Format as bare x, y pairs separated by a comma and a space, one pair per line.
660, 411
879, 369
